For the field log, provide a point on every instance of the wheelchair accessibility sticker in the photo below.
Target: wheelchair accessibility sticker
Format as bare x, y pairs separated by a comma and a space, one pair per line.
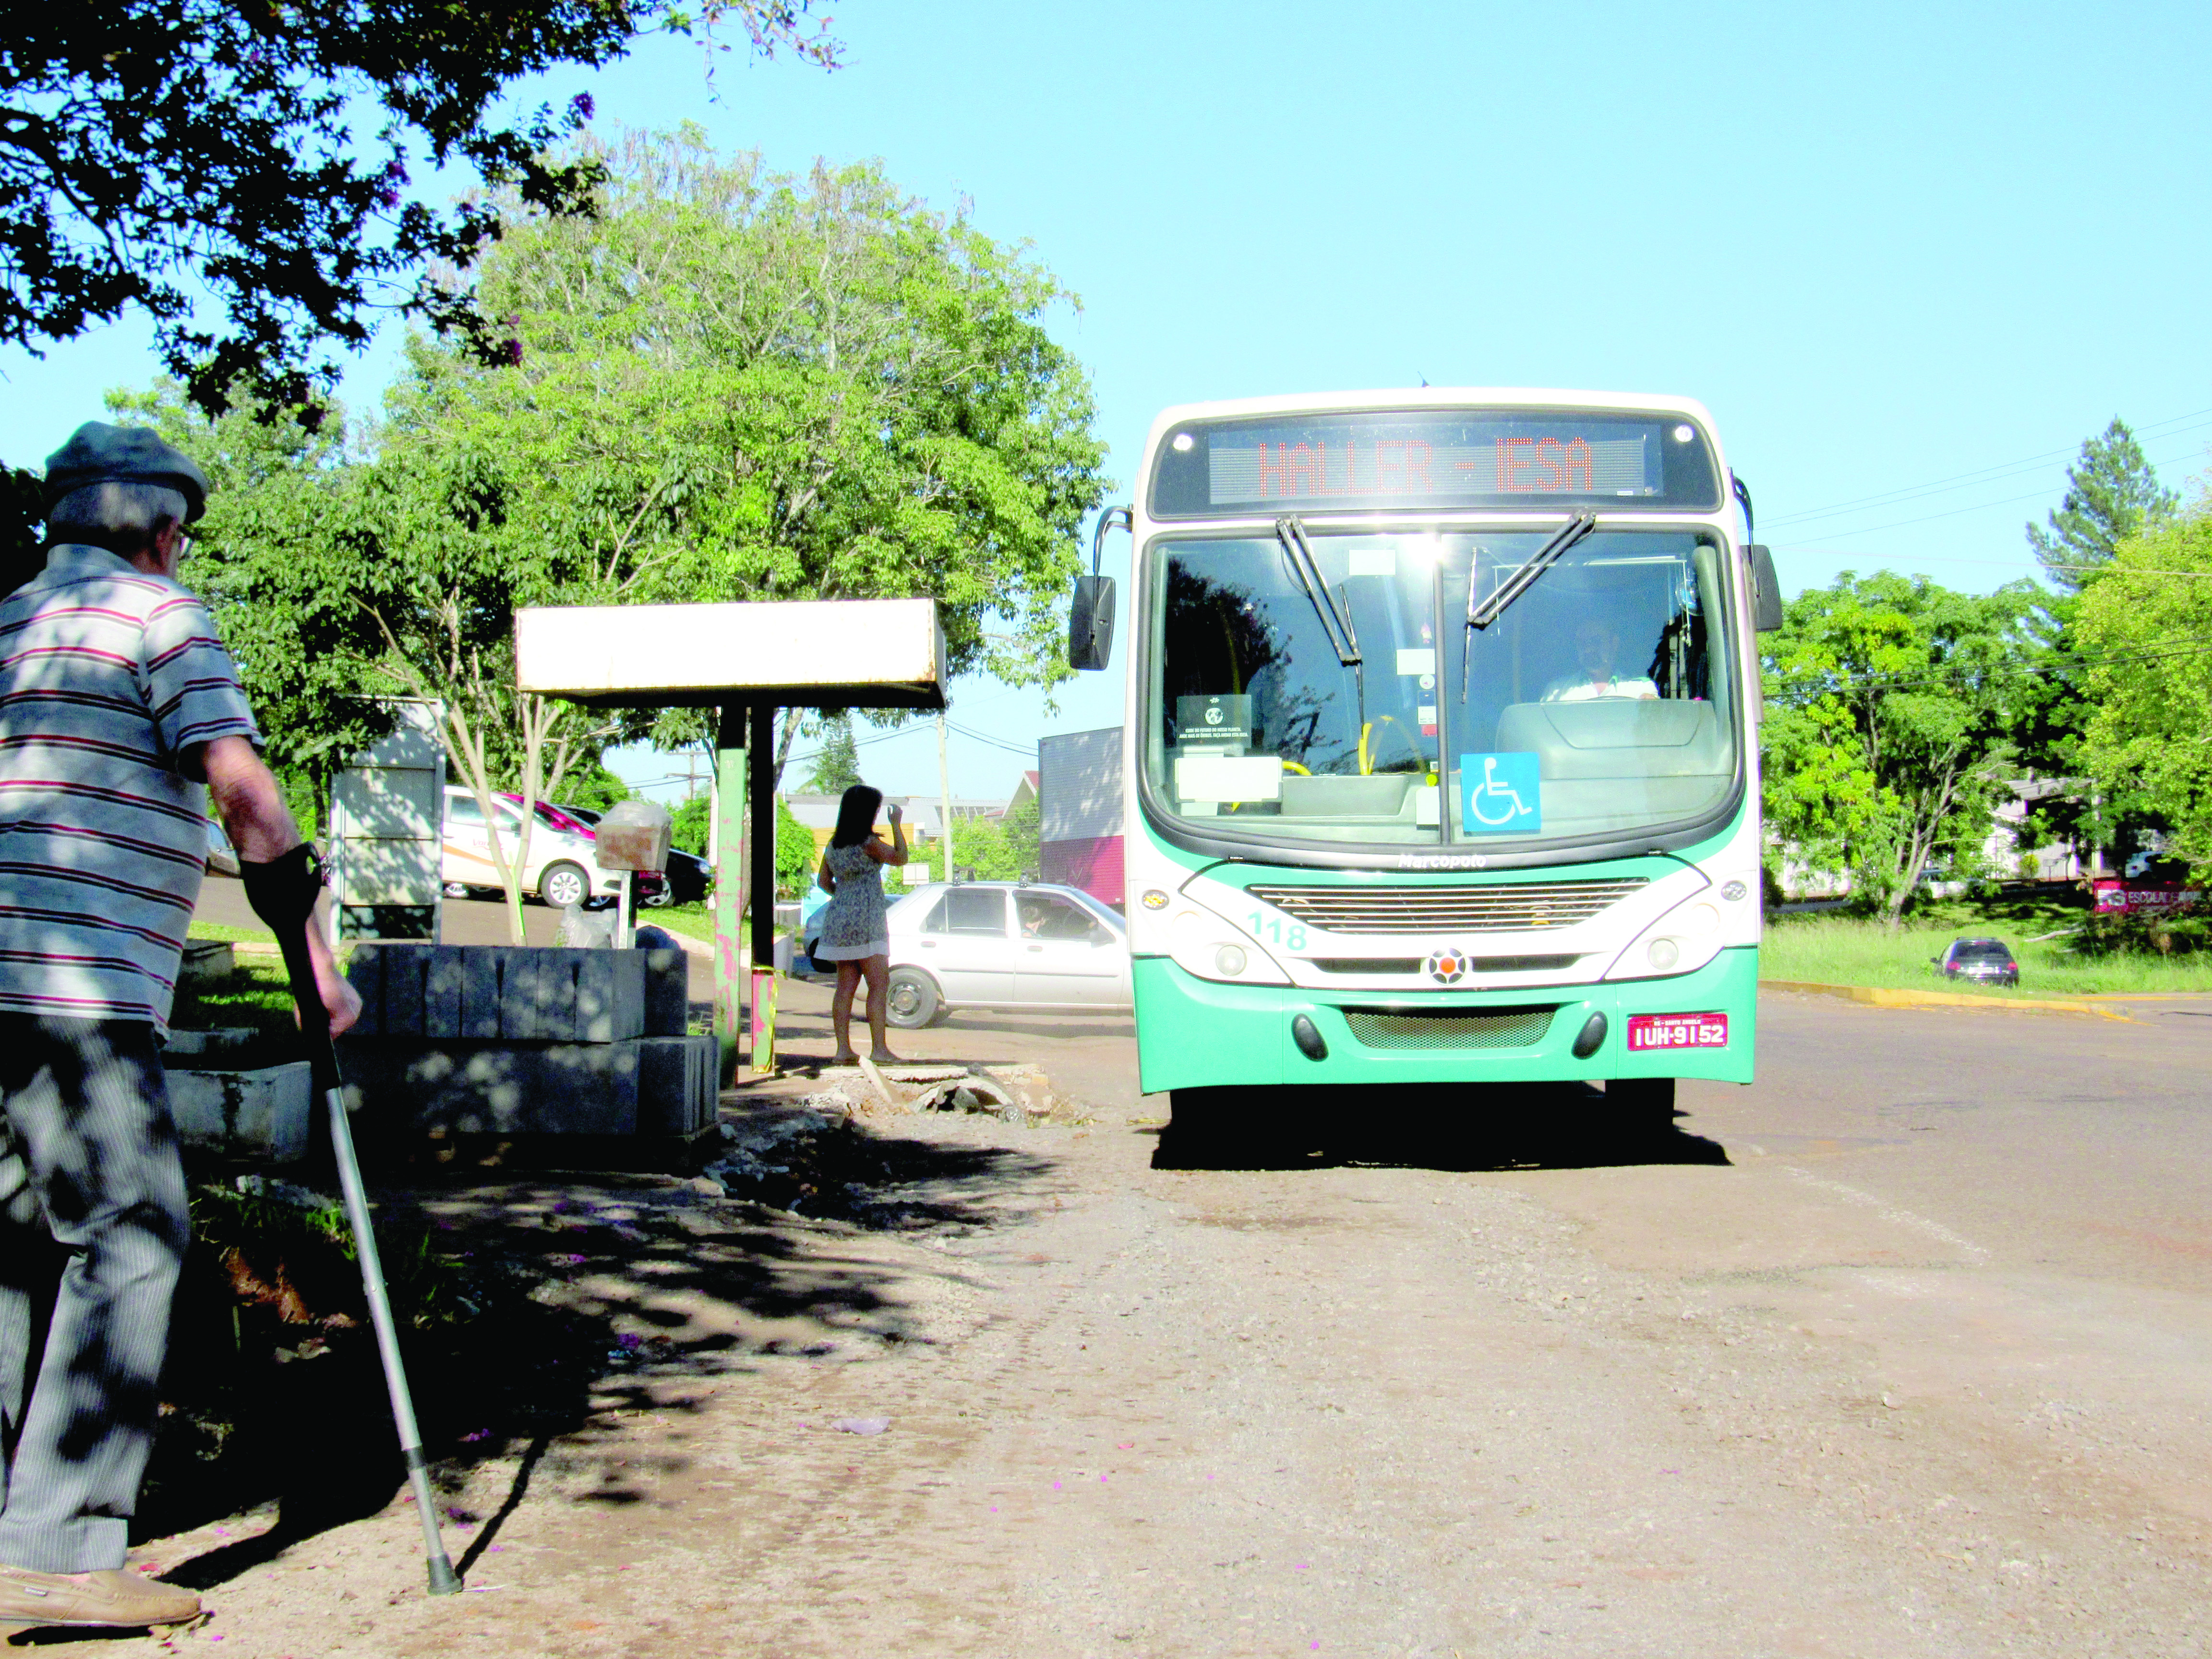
1500, 794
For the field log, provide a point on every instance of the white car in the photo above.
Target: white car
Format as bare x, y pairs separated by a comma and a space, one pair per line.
563, 868
1005, 945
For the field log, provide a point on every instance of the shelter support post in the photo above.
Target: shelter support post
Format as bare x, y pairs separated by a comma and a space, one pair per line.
761, 832
729, 867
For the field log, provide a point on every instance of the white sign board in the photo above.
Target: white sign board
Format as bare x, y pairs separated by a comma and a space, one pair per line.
861, 654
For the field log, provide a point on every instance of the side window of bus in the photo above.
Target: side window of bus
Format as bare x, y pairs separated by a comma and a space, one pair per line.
976, 910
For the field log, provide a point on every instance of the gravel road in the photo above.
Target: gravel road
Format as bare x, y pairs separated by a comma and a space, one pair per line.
1902, 1352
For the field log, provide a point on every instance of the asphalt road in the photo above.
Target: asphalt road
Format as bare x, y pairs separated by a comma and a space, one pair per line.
1905, 1350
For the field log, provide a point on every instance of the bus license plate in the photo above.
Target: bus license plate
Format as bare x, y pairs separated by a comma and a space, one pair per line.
1650, 1032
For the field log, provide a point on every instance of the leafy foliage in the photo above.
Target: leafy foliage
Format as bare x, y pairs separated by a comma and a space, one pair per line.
689, 824
728, 387
2144, 629
1003, 849
832, 391
837, 763
794, 851
164, 154
2112, 492
1890, 706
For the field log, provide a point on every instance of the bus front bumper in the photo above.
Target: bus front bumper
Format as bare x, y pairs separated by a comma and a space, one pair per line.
1198, 1034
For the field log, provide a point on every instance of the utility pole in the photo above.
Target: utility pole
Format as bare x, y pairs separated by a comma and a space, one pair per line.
945, 794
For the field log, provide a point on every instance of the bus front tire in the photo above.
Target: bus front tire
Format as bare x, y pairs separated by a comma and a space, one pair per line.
1645, 1104
913, 1001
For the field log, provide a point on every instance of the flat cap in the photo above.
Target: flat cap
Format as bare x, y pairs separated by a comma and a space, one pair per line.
100, 453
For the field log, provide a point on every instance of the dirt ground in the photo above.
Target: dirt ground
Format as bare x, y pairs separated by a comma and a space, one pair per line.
1902, 1352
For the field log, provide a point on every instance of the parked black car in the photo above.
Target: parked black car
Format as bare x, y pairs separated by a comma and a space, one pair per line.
688, 879
1984, 961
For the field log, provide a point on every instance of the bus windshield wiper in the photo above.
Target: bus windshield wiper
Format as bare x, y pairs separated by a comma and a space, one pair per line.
1334, 623
1490, 610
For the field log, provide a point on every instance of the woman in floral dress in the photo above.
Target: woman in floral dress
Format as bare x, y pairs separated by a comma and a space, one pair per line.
855, 933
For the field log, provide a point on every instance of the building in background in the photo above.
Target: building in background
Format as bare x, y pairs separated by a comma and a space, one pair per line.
1078, 785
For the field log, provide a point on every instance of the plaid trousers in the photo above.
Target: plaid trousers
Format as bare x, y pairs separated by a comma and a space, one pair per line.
87, 1158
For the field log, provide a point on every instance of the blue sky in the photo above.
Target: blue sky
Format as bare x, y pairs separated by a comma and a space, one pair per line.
1889, 247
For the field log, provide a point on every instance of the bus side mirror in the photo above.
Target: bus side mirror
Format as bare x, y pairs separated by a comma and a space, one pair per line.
1091, 623
1766, 590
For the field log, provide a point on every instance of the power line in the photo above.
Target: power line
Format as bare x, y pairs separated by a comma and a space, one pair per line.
1930, 518
1984, 474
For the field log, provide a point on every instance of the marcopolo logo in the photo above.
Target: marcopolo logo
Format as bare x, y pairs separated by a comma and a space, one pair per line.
1447, 965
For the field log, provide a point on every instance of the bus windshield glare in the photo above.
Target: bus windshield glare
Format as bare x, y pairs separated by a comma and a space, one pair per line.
1597, 704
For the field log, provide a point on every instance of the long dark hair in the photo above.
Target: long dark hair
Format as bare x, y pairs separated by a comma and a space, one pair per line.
856, 815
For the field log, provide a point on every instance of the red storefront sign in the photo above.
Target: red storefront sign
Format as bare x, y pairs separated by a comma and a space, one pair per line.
1649, 1033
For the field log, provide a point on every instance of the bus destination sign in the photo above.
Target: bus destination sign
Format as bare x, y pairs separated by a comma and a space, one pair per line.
1433, 458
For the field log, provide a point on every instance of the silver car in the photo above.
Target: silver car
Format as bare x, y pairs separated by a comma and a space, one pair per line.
1005, 945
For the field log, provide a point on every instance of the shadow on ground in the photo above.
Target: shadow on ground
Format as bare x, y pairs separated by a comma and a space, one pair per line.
1421, 1126
548, 1303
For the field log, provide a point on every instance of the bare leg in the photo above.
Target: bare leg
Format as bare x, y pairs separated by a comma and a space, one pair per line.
840, 1012
878, 970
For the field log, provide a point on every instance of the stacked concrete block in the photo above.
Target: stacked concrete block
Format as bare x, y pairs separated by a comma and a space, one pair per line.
522, 1040
267, 1113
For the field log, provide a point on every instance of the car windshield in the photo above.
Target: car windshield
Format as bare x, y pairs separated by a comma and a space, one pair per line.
1600, 703
1983, 951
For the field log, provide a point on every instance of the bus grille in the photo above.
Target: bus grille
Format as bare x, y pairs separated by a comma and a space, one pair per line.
1412, 965
1493, 909
1475, 1028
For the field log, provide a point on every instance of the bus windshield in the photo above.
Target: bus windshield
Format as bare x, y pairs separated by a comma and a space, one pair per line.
1599, 703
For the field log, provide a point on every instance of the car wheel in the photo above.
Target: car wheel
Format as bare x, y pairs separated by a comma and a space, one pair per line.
658, 898
457, 890
563, 884
1645, 1105
914, 1000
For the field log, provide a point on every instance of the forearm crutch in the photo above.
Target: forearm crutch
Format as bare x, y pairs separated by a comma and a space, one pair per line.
282, 893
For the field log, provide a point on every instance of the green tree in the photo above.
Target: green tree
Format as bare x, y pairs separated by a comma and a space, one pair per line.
1887, 730
845, 395
590, 784
979, 844
727, 385
2142, 627
184, 157
2112, 492
837, 763
1023, 828
692, 822
795, 857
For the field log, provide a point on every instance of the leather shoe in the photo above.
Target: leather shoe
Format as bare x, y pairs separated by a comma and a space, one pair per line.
28, 1600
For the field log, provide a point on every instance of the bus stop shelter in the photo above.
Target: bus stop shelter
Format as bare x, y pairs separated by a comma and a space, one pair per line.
745, 661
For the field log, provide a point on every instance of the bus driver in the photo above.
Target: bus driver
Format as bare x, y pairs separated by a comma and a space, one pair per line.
1597, 648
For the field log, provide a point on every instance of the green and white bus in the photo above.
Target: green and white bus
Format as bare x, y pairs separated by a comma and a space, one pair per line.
1440, 759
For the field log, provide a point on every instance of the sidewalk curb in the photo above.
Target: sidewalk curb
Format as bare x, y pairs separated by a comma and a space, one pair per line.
1883, 996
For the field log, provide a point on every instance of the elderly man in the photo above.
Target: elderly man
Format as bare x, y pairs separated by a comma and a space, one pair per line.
119, 713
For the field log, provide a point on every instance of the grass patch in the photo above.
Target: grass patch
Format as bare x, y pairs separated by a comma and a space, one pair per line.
257, 994
1837, 950
692, 921
229, 933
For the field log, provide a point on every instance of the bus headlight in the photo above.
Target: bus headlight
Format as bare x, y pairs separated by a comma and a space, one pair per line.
1682, 939
1209, 946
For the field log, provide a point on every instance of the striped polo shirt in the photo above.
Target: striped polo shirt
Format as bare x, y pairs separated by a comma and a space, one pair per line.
107, 677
